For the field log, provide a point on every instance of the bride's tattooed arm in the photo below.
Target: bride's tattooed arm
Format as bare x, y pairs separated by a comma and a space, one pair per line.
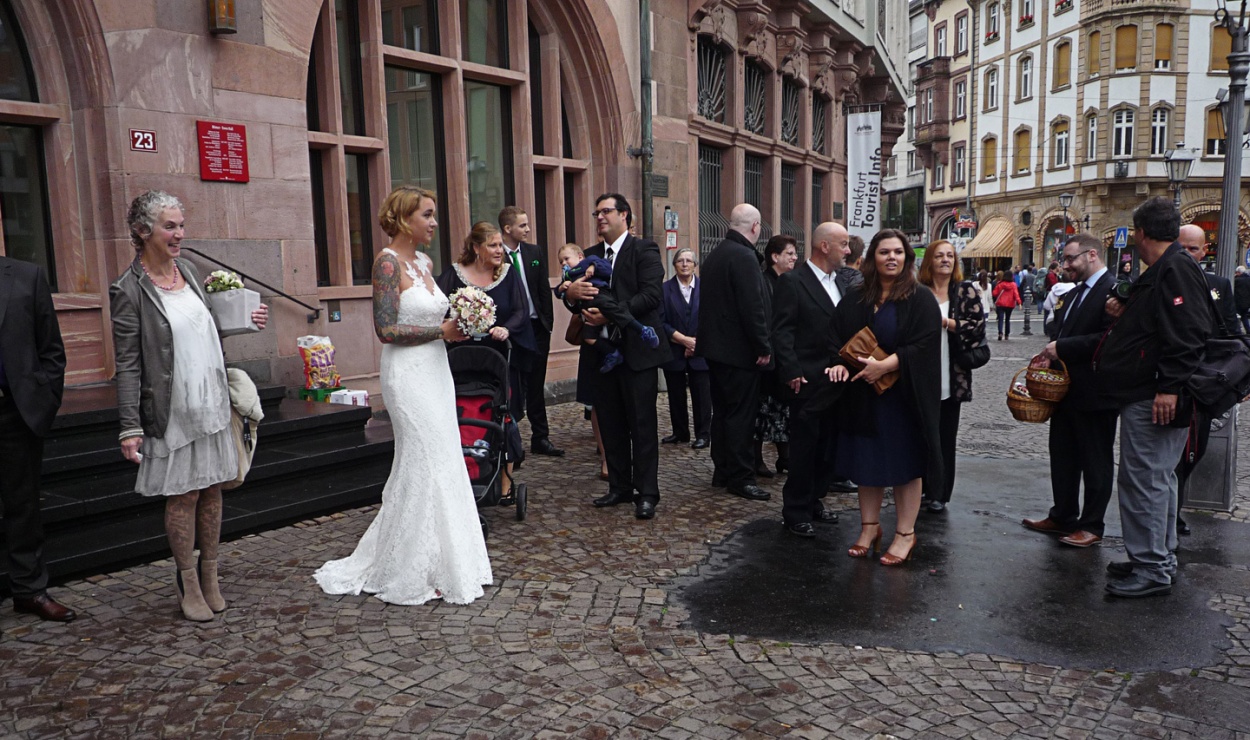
386, 294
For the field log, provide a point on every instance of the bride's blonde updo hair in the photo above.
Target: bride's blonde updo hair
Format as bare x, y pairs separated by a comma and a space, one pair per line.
399, 207
144, 212
481, 233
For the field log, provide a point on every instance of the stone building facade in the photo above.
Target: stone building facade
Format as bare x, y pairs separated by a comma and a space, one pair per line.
486, 102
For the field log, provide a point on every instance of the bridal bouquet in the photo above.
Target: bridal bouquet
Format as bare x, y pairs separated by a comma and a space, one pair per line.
473, 310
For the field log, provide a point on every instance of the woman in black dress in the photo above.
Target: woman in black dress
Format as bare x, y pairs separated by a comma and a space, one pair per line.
889, 440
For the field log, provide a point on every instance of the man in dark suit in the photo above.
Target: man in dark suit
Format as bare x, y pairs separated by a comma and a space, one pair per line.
1082, 428
803, 305
1194, 240
32, 378
625, 398
530, 261
680, 313
734, 317
1241, 296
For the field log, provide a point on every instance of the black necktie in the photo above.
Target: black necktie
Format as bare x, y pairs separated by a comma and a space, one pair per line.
607, 253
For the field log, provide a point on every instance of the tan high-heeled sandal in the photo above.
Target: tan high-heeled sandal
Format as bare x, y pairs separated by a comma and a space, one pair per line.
888, 559
860, 551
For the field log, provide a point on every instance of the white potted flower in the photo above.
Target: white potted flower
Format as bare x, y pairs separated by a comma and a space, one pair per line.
231, 302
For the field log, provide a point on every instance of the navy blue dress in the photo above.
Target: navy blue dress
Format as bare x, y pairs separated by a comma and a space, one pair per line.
896, 454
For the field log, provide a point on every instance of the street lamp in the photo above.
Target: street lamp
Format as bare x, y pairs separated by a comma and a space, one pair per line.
1179, 161
1238, 68
1065, 200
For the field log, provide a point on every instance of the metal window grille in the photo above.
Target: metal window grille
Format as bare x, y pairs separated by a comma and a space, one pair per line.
711, 80
789, 206
712, 225
753, 187
790, 112
756, 98
820, 112
818, 197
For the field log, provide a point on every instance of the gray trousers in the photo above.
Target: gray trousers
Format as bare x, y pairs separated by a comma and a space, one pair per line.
1147, 490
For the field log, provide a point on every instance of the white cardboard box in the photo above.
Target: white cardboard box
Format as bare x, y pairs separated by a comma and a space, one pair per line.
233, 309
350, 397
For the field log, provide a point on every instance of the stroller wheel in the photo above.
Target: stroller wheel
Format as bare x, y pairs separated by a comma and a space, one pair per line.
485, 526
522, 500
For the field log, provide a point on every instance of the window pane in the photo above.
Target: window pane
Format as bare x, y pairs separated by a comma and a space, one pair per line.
1126, 47
753, 190
483, 32
712, 80
537, 93
312, 92
24, 198
1163, 42
756, 81
1092, 50
489, 150
347, 21
790, 206
359, 218
414, 125
712, 225
1221, 47
320, 241
17, 78
1063, 56
412, 24
570, 210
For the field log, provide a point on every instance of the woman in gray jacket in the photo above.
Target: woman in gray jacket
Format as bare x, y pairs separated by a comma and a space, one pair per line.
172, 394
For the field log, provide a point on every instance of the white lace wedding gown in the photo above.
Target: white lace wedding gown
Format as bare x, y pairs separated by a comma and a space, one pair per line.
426, 542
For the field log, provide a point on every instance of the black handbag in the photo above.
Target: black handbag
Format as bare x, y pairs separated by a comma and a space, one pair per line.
1222, 379
971, 358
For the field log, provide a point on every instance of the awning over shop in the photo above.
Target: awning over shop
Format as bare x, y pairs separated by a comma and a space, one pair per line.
996, 238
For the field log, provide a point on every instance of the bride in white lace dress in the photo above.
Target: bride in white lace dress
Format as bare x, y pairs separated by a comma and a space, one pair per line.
426, 542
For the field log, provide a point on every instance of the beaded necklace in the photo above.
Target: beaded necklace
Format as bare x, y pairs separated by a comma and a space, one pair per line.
171, 286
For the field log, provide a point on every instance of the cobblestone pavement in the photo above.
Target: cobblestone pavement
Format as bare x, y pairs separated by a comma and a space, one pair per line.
580, 636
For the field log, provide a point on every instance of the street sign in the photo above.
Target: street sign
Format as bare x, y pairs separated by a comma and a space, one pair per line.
1121, 237
1248, 258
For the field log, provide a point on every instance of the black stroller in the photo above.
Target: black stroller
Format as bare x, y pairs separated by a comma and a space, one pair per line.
480, 375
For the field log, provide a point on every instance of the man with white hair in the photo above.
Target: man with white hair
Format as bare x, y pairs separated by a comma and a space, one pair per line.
734, 317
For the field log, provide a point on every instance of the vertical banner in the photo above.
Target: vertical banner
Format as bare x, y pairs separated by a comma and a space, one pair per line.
863, 187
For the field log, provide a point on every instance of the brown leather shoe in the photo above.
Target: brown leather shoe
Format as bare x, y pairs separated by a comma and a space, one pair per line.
44, 607
1047, 525
1081, 538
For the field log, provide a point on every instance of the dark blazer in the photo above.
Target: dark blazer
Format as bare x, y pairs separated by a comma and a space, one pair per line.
1226, 304
802, 314
142, 347
637, 280
919, 354
678, 315
537, 279
734, 316
1076, 340
30, 343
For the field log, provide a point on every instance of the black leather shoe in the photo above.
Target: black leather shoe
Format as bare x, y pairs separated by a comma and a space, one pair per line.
1182, 527
673, 439
750, 491
825, 516
612, 499
802, 529
44, 607
762, 471
718, 481
644, 510
544, 447
699, 443
1119, 569
843, 486
1137, 586
935, 506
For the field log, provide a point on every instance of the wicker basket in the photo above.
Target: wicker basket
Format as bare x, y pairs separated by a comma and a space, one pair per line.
1026, 408
1047, 389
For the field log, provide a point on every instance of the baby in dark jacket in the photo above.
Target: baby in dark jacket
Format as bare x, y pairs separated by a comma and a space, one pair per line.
598, 272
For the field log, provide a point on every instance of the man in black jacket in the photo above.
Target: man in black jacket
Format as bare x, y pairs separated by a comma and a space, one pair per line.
1241, 296
733, 338
625, 398
1143, 364
530, 261
1082, 428
32, 378
803, 305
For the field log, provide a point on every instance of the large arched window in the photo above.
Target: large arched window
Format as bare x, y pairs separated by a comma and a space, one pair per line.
25, 228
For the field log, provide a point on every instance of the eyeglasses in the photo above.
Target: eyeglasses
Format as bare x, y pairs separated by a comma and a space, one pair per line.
601, 212
1067, 258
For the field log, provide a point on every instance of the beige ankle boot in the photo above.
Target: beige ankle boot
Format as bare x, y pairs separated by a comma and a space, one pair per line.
191, 598
209, 586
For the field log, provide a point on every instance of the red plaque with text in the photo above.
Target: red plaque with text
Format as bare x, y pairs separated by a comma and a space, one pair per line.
223, 151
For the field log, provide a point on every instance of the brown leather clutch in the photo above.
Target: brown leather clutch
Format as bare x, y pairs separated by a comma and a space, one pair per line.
573, 334
864, 344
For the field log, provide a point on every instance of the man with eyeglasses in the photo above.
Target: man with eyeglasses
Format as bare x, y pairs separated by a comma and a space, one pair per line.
625, 398
1082, 428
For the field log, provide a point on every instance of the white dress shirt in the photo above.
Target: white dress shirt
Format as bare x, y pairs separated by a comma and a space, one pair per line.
687, 291
828, 281
520, 260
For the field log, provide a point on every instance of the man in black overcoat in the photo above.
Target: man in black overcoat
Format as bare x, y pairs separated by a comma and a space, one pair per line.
803, 304
625, 398
734, 316
1082, 428
531, 263
32, 378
